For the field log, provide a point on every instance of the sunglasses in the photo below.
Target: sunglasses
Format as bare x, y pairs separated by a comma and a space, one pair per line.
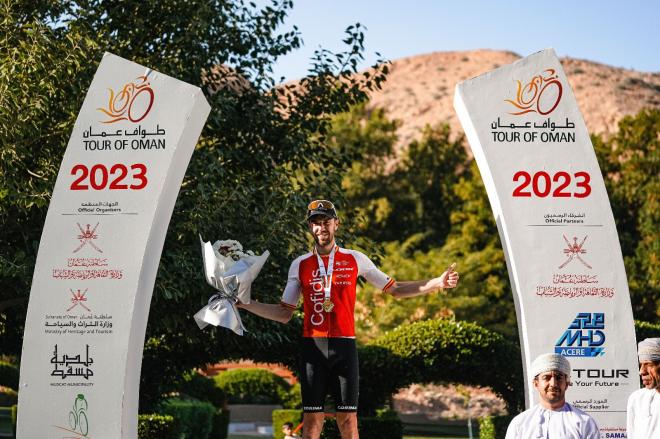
320, 204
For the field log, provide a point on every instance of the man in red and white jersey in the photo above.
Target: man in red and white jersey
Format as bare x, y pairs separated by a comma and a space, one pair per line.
326, 278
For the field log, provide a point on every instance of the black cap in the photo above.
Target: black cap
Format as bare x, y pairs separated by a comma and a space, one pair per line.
321, 207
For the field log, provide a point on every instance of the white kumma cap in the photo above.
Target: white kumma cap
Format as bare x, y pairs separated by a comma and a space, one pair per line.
548, 362
649, 350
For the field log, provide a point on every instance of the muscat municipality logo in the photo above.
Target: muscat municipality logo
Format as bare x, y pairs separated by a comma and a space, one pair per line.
584, 337
540, 95
133, 102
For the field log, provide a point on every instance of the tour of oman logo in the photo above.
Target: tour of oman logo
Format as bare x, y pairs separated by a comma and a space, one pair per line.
133, 102
540, 95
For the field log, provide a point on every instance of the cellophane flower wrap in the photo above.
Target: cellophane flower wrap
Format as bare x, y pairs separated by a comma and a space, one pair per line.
231, 272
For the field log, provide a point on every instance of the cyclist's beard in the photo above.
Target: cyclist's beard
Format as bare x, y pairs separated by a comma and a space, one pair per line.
327, 240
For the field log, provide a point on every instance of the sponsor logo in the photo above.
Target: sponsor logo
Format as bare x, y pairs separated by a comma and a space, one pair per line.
78, 299
602, 373
540, 95
87, 236
65, 365
133, 102
78, 422
584, 337
574, 250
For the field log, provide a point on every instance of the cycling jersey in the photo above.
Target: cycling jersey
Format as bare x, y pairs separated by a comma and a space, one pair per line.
305, 278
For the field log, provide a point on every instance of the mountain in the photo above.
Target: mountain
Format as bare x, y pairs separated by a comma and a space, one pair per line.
420, 89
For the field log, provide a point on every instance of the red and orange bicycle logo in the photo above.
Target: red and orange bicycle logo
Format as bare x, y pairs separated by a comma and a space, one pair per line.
133, 102
540, 95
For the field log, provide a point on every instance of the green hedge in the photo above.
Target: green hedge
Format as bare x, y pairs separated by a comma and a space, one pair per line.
14, 417
253, 386
439, 351
156, 427
293, 398
280, 417
220, 424
194, 418
8, 397
200, 387
494, 427
8, 375
385, 425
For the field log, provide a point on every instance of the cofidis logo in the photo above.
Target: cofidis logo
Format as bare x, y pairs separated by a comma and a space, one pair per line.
133, 102
540, 95
585, 337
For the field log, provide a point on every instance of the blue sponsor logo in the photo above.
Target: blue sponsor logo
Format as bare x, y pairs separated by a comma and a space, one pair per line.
584, 337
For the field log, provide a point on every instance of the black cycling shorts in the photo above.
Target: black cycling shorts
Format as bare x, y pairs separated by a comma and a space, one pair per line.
329, 365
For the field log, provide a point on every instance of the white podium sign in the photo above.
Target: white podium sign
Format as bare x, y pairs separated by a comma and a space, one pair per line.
556, 225
99, 253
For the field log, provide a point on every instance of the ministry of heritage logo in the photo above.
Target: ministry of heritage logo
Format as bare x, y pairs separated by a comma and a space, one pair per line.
540, 95
584, 337
133, 102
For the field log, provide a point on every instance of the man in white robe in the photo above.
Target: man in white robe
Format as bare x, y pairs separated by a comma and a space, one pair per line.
644, 404
553, 417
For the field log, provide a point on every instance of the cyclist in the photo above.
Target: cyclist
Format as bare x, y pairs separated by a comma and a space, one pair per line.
327, 279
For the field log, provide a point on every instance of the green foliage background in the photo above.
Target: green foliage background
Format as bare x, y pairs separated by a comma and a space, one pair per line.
260, 159
265, 151
253, 386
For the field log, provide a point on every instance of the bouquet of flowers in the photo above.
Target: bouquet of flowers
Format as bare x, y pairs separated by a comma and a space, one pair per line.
231, 272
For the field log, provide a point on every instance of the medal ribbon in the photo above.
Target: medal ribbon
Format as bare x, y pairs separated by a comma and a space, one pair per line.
326, 275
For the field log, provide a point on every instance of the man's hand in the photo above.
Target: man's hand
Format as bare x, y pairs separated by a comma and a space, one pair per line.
448, 279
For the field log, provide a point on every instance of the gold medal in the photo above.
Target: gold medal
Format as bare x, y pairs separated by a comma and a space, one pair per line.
328, 305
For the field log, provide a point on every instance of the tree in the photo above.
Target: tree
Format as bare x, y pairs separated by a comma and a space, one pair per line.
484, 295
630, 163
255, 167
398, 195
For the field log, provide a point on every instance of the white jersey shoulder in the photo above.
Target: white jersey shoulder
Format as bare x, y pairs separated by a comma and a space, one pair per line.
293, 287
368, 270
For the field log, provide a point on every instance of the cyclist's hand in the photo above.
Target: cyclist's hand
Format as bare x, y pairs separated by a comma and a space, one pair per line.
449, 279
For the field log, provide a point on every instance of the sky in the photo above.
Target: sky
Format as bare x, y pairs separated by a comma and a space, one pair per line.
619, 33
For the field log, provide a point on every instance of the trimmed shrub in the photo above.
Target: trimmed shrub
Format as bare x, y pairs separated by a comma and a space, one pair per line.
253, 386
156, 427
439, 351
293, 399
14, 418
494, 427
194, 418
280, 417
385, 425
8, 397
8, 375
220, 424
200, 387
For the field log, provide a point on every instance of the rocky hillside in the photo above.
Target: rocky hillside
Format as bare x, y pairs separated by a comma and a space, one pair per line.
420, 89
